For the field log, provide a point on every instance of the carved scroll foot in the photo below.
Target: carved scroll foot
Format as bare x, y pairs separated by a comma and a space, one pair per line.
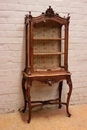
69, 114
28, 121
69, 82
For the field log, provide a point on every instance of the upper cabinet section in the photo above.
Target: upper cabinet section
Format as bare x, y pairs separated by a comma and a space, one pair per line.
47, 41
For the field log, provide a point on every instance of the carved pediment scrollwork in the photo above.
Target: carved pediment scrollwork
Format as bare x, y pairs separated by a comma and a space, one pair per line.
50, 12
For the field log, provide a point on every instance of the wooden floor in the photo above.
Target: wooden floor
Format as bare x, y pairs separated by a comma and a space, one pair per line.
47, 119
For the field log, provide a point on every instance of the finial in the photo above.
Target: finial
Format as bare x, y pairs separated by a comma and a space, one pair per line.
68, 15
29, 12
30, 16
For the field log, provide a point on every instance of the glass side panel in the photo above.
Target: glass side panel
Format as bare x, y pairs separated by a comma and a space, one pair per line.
62, 45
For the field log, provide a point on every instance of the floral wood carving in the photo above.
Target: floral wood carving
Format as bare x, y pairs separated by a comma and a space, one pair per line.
49, 81
49, 12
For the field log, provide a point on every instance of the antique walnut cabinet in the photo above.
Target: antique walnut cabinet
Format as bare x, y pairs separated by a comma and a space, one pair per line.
46, 56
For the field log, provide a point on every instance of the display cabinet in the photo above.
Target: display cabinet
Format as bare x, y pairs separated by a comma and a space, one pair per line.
46, 56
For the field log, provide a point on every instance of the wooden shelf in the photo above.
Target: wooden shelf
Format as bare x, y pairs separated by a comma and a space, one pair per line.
50, 53
48, 39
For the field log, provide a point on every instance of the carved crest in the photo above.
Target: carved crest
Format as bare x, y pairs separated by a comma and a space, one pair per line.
49, 12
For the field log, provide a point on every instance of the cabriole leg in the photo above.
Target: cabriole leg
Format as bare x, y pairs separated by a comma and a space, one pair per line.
60, 93
29, 102
24, 93
69, 82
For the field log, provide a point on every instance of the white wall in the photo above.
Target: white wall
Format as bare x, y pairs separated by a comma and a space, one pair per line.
12, 13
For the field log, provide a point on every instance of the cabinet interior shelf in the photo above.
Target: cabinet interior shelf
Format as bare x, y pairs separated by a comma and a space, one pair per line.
50, 53
48, 39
